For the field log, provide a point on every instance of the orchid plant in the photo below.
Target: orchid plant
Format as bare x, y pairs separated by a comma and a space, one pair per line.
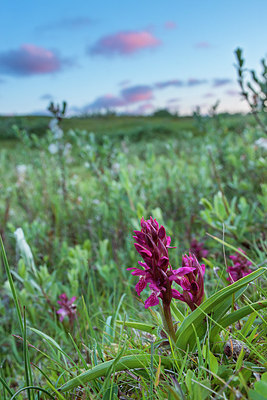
152, 244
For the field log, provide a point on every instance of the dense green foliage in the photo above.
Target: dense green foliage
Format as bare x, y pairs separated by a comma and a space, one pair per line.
78, 208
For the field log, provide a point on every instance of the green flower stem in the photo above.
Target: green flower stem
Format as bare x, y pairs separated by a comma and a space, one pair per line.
167, 322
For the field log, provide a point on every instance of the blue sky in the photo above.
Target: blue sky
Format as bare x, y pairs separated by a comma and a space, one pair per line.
128, 56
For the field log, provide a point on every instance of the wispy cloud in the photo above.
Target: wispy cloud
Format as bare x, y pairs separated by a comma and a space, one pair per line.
202, 45
209, 94
143, 109
106, 101
221, 82
137, 93
127, 96
131, 95
165, 84
76, 23
47, 97
196, 82
124, 43
170, 25
232, 92
31, 60
124, 83
173, 100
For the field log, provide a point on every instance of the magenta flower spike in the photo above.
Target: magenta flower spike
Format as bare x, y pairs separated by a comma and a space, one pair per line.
197, 248
152, 244
68, 308
240, 267
191, 279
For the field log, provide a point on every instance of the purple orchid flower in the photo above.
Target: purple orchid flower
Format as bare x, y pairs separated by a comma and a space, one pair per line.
240, 267
68, 308
153, 244
197, 248
191, 279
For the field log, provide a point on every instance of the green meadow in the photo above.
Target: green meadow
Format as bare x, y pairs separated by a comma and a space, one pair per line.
78, 191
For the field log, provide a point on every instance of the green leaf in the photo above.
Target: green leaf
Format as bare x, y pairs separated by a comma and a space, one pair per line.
213, 363
188, 380
260, 389
201, 389
127, 362
185, 333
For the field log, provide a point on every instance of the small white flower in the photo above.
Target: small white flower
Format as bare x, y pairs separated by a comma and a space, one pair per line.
261, 142
67, 149
52, 124
53, 148
58, 133
21, 171
116, 167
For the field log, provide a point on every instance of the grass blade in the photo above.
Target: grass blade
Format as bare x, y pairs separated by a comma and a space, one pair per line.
237, 315
138, 325
12, 286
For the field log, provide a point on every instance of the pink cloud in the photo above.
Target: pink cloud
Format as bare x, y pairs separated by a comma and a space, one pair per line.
106, 101
170, 25
128, 96
144, 109
137, 93
30, 60
125, 43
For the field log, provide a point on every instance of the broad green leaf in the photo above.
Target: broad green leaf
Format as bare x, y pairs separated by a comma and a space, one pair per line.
188, 380
201, 389
213, 363
185, 333
127, 362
